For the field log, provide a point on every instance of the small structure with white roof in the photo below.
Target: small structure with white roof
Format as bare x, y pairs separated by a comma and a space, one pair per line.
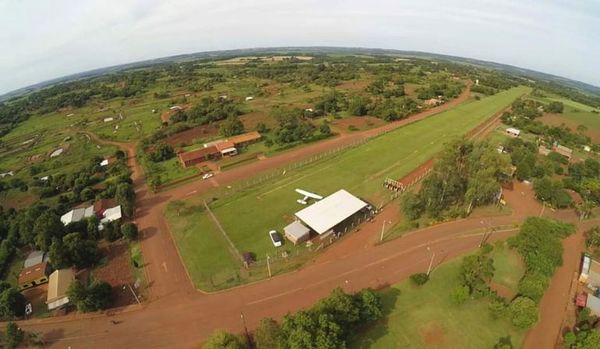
514, 132
296, 232
111, 214
104, 162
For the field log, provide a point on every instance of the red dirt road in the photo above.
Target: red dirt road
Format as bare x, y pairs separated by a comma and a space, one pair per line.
178, 316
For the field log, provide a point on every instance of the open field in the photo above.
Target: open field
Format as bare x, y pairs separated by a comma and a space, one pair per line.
425, 317
248, 215
509, 267
572, 118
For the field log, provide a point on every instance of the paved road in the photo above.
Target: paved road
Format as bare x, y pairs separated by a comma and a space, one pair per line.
177, 316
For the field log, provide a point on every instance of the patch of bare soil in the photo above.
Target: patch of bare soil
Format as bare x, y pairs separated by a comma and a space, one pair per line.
188, 137
117, 272
559, 120
432, 335
358, 123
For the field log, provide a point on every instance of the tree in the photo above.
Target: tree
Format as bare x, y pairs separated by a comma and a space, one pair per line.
523, 312
13, 336
129, 231
96, 296
81, 253
412, 206
555, 107
12, 302
419, 278
59, 255
47, 226
231, 126
221, 339
476, 271
267, 334
369, 304
592, 341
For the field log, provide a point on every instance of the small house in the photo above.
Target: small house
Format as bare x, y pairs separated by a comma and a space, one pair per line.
564, 151
108, 119
34, 275
104, 163
176, 107
249, 98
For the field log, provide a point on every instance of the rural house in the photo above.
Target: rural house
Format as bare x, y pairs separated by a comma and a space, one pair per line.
513, 132
197, 156
34, 275
77, 214
564, 151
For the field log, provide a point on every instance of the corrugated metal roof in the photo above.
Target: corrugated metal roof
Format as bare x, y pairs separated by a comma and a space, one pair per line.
331, 211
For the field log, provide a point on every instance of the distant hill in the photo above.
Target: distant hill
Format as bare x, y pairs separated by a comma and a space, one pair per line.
531, 74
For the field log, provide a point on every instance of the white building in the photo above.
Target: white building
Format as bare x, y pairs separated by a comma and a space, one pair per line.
324, 215
77, 214
511, 131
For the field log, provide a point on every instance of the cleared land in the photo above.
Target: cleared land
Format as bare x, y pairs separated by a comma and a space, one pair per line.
248, 215
426, 317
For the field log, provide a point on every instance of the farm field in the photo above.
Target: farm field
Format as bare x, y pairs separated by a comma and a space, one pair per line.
248, 215
425, 317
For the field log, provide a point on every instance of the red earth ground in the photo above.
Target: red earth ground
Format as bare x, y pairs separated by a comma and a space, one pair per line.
179, 316
558, 120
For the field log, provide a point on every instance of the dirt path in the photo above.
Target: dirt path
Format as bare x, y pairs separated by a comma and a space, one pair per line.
554, 303
178, 316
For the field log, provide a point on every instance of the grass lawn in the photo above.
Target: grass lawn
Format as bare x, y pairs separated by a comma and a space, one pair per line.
248, 215
508, 264
425, 317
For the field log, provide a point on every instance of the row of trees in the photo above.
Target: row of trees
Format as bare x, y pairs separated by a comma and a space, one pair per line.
327, 325
466, 175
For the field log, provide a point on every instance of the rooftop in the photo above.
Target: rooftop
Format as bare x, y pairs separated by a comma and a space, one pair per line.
331, 211
58, 285
246, 137
224, 145
35, 257
198, 153
32, 273
296, 229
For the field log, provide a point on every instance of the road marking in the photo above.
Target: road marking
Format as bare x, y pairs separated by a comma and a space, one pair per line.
191, 193
276, 296
164, 265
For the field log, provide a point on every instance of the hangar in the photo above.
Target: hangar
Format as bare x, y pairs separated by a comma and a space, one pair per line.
335, 209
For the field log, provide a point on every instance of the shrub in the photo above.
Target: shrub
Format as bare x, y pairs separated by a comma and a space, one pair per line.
224, 340
460, 295
533, 285
419, 278
523, 312
13, 336
129, 231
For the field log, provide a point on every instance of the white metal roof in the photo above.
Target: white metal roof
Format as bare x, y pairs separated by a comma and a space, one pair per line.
331, 211
513, 130
296, 229
77, 214
111, 214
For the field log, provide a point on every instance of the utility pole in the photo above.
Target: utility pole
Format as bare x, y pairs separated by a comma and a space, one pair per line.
269, 265
431, 261
383, 230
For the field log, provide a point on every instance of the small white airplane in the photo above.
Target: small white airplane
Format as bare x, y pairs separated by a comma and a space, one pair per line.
307, 195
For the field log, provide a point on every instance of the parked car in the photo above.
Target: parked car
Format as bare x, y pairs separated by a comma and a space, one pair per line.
275, 239
207, 175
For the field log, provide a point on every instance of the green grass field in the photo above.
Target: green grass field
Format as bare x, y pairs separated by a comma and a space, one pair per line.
509, 267
248, 215
425, 317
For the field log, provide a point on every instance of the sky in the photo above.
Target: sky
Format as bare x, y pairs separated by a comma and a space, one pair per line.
46, 39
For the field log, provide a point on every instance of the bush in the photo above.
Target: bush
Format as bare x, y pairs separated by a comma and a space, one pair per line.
13, 336
267, 334
460, 295
96, 296
533, 285
419, 278
224, 340
497, 309
523, 312
129, 231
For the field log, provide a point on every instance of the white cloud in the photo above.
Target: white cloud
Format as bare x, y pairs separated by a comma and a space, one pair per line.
48, 39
